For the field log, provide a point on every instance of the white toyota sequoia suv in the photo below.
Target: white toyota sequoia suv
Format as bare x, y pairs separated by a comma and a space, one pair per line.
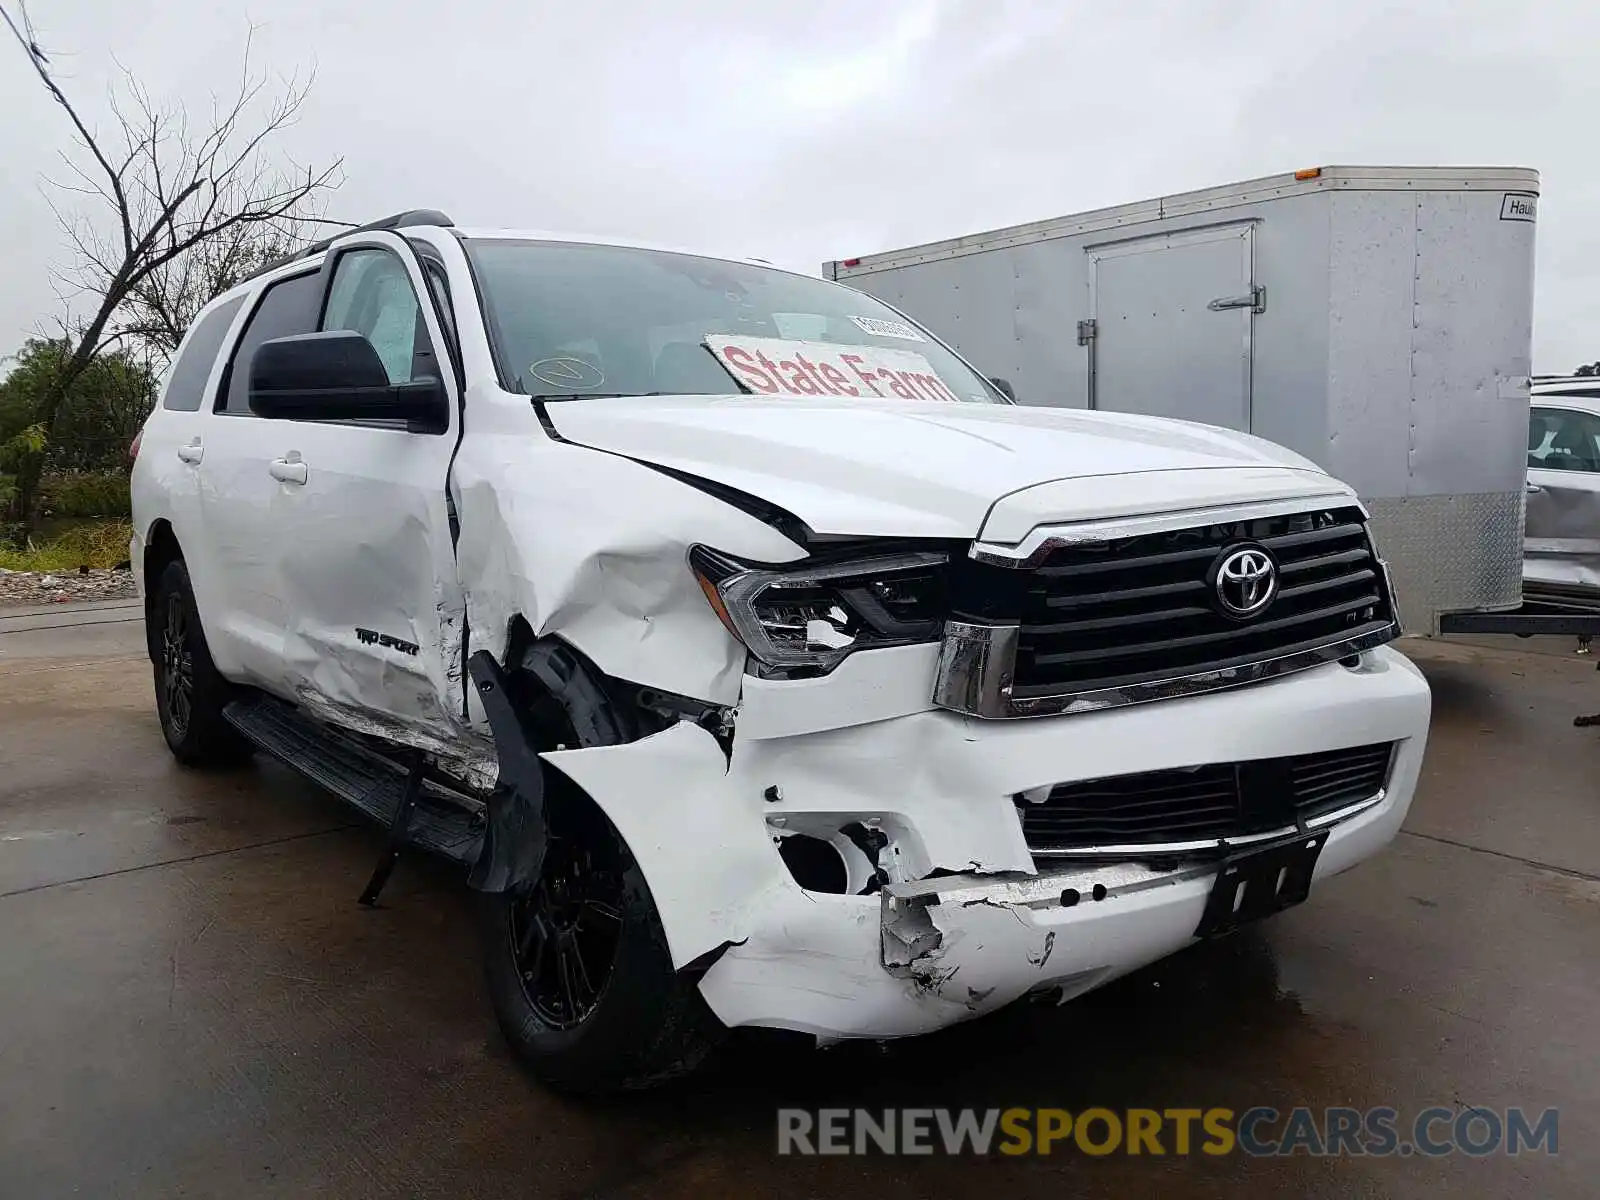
763, 662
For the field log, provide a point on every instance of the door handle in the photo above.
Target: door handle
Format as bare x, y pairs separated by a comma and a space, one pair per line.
1255, 300
193, 452
1532, 489
288, 470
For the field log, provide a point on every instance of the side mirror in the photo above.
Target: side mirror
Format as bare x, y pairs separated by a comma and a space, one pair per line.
1005, 387
338, 376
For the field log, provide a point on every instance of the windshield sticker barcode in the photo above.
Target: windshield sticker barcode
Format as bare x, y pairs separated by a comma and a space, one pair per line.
878, 327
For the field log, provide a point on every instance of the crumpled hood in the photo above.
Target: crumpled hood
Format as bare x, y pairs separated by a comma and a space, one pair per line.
907, 469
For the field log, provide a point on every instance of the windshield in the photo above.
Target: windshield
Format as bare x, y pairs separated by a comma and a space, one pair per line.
570, 320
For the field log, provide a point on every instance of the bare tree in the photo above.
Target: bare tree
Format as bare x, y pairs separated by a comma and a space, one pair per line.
161, 306
160, 192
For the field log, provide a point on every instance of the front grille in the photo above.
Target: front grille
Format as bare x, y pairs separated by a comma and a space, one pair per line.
1144, 608
1203, 804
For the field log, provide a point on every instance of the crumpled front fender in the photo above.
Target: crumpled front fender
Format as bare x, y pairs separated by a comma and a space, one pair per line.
593, 548
701, 841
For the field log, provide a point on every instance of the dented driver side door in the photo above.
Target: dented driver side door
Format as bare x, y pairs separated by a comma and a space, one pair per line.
366, 560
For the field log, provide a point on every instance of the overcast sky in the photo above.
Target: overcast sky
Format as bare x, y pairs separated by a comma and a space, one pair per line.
802, 132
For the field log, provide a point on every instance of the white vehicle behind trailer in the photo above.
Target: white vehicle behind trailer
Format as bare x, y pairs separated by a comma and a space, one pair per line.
1561, 564
1377, 320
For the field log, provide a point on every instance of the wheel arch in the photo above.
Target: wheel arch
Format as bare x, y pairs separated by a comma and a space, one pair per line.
161, 549
546, 695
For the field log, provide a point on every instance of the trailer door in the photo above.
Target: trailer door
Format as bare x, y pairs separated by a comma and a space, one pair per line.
1173, 315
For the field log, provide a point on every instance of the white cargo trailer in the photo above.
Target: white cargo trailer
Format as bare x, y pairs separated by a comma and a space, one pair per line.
1377, 320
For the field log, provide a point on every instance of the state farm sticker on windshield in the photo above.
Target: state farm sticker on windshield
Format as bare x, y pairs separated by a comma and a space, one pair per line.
779, 367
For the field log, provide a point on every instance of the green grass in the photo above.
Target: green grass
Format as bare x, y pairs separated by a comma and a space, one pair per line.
103, 544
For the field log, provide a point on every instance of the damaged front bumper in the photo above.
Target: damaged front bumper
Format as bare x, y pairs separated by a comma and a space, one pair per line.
928, 954
967, 921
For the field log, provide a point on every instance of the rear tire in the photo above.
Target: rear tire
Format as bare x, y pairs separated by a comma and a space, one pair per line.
578, 967
190, 694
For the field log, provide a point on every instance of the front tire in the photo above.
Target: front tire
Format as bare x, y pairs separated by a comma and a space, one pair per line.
578, 967
190, 694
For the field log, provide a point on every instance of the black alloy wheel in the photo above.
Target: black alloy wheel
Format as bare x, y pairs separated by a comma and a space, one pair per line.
565, 932
177, 666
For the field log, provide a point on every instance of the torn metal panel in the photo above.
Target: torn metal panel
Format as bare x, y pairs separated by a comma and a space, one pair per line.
547, 696
924, 774
909, 935
835, 966
701, 842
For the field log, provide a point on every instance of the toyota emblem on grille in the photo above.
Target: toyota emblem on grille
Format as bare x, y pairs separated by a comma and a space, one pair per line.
1246, 580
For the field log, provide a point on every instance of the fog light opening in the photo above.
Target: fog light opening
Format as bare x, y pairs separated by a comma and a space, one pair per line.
814, 863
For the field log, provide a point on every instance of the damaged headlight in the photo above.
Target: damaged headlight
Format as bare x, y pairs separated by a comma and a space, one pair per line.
814, 615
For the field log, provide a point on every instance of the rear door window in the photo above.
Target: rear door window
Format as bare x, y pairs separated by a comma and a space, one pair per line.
1564, 439
287, 307
186, 385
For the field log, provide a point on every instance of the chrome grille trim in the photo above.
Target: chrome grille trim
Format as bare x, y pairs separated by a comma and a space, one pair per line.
978, 664
1044, 539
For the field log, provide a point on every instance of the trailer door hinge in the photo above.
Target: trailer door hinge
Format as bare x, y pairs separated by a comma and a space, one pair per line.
1087, 332
1255, 300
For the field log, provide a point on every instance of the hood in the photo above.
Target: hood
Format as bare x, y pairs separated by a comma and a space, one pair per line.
906, 469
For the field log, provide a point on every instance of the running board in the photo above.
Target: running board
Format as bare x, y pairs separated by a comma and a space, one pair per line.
375, 784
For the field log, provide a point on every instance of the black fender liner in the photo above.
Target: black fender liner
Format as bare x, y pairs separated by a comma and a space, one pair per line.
546, 696
514, 838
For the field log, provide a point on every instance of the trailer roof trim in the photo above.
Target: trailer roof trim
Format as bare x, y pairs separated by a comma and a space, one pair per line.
1352, 178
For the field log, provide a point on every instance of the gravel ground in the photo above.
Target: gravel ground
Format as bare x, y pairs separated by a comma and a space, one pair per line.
31, 587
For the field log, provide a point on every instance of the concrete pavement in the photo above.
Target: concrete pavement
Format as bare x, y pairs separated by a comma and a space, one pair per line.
92, 631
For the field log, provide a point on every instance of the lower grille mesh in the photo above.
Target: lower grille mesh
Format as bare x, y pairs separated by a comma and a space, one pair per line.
1206, 803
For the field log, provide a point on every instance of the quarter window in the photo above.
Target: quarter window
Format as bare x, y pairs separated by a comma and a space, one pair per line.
187, 384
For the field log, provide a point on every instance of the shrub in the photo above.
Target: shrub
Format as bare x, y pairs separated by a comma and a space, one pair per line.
86, 494
104, 544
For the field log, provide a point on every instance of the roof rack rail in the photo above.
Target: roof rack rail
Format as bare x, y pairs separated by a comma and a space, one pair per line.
399, 220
